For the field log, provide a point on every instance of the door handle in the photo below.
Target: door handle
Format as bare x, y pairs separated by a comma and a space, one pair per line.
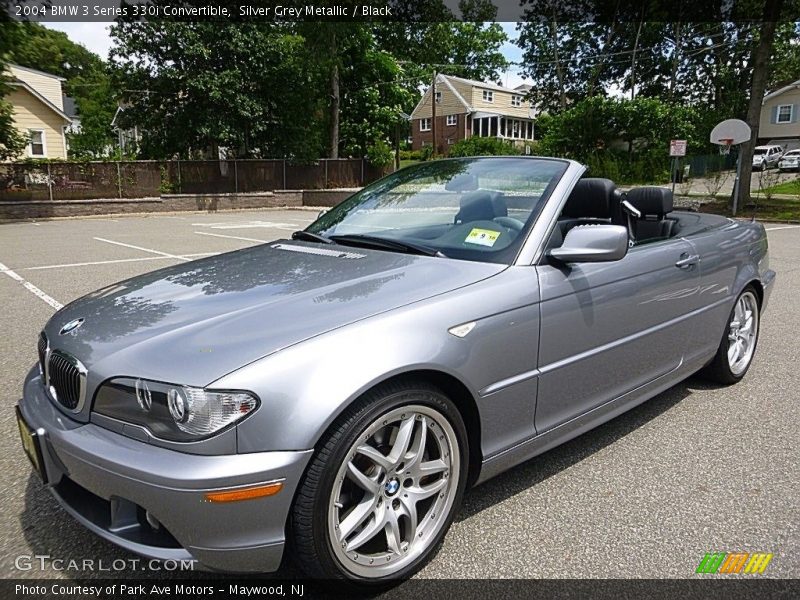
687, 260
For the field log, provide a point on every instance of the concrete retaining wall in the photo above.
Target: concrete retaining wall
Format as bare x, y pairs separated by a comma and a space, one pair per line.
42, 209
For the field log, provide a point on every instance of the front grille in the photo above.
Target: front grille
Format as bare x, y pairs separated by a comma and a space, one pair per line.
42, 348
65, 378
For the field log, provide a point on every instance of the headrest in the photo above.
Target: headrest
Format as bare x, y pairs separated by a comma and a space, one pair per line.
651, 200
590, 198
476, 206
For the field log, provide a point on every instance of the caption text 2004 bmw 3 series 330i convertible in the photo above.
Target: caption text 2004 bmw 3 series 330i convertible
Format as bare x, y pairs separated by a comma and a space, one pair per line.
337, 392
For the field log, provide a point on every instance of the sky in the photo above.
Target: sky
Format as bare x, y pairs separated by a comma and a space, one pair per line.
96, 38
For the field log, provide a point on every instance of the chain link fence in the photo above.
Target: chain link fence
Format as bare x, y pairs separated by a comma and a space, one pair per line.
145, 179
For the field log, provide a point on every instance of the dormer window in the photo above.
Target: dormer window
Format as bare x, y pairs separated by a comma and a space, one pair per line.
516, 100
488, 96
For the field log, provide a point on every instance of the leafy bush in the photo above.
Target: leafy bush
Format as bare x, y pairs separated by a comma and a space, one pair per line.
482, 146
623, 140
411, 155
380, 154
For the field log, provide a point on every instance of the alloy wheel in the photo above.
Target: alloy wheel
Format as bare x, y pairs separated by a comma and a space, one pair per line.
742, 333
394, 491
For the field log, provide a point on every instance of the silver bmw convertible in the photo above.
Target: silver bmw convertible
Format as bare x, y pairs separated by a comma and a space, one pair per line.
336, 393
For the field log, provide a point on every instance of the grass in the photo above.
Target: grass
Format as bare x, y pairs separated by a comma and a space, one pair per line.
763, 209
791, 188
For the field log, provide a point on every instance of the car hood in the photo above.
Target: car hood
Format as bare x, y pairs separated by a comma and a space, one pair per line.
193, 323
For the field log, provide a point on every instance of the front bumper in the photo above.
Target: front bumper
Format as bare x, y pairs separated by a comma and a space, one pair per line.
109, 482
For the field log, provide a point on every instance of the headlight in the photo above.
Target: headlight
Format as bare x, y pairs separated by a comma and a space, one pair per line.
172, 412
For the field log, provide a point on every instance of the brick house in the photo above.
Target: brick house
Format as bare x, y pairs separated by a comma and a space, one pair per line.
465, 108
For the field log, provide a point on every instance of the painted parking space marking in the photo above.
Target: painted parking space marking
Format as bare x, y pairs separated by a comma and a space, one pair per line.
118, 260
248, 225
150, 250
231, 237
31, 288
782, 227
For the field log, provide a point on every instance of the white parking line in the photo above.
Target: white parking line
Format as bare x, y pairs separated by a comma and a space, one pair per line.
231, 237
31, 288
118, 260
248, 225
151, 251
783, 227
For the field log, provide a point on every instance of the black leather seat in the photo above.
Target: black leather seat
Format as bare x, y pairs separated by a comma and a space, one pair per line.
591, 198
481, 205
654, 203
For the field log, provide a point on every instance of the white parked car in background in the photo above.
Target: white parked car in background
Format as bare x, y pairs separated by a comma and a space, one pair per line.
790, 161
765, 157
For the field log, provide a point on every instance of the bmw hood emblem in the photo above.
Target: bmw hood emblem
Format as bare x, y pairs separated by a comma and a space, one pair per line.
71, 326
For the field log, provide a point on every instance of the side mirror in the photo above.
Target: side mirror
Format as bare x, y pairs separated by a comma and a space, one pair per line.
592, 243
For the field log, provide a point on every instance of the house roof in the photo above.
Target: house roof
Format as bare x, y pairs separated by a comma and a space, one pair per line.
38, 96
481, 84
443, 79
29, 70
448, 79
779, 91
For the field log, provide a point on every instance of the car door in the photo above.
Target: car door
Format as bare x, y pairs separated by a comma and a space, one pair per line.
609, 328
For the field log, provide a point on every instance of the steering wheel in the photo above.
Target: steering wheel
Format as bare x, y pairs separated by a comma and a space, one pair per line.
509, 223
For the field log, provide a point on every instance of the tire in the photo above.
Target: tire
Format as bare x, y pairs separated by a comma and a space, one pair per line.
415, 465
728, 365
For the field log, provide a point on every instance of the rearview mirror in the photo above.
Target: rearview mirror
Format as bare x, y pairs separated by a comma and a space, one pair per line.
592, 243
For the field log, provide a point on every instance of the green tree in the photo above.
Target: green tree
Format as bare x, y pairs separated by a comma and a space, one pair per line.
625, 140
195, 87
12, 142
429, 36
87, 81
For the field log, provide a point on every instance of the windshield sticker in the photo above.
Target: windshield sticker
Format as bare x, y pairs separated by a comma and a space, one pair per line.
482, 237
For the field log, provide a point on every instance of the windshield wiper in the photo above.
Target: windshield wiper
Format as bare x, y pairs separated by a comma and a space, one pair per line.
386, 244
307, 236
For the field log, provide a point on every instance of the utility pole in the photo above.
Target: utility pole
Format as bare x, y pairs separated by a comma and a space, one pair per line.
433, 112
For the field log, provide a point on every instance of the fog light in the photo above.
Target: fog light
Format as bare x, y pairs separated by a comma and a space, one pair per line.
176, 402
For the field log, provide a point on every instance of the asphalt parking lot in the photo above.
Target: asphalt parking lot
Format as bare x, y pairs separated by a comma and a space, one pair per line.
697, 469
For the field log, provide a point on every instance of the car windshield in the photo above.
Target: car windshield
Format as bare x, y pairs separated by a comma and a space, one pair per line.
471, 208
759, 151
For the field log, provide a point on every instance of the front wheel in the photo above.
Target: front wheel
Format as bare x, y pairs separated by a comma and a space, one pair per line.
381, 492
738, 345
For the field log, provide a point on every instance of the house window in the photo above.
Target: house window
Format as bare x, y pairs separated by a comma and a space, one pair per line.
488, 96
784, 113
516, 100
36, 147
452, 120
438, 97
424, 124
449, 141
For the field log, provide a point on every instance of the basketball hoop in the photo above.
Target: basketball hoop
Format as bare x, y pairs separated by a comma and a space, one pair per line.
725, 145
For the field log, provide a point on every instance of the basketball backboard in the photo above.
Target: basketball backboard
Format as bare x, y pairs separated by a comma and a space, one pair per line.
730, 131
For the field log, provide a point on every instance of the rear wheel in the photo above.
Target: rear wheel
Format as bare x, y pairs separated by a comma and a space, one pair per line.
381, 492
738, 345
